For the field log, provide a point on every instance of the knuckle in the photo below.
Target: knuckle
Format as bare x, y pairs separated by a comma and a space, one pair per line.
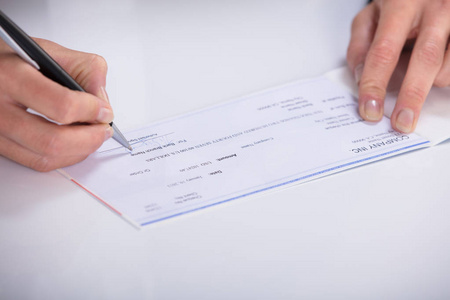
384, 52
41, 164
98, 61
373, 87
12, 69
430, 53
49, 145
415, 94
65, 109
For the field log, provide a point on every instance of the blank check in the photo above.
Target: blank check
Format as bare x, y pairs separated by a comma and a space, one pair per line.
279, 137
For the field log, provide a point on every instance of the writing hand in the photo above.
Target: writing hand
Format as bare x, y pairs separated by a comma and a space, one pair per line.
36, 142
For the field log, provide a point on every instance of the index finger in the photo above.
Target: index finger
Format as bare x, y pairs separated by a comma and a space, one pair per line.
48, 97
395, 23
424, 65
89, 69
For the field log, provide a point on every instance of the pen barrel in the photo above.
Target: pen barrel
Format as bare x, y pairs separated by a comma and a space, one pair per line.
47, 65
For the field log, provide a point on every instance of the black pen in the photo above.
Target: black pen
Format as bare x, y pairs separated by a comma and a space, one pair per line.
32, 53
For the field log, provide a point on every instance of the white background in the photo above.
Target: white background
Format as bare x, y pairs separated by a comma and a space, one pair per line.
380, 231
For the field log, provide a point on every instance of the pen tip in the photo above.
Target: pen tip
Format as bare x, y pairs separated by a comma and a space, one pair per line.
130, 148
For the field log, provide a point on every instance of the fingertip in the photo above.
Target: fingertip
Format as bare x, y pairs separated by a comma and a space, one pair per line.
404, 120
371, 110
105, 115
109, 132
371, 98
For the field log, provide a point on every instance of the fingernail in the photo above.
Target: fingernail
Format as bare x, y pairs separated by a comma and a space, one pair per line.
103, 94
109, 132
105, 115
357, 73
372, 110
405, 120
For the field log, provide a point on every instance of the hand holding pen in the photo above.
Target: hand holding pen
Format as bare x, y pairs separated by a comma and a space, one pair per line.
32, 140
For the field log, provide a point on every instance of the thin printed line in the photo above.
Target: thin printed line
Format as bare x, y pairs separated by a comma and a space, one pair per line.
137, 142
125, 217
287, 182
96, 197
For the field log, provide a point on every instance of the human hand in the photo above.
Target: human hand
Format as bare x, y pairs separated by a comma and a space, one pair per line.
36, 142
379, 34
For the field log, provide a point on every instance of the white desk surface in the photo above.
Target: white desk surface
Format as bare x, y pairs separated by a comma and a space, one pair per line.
381, 231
